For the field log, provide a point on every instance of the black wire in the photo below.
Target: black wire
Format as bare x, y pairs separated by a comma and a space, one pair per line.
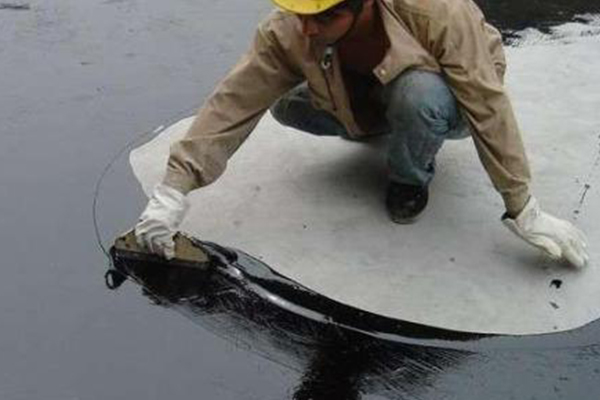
129, 145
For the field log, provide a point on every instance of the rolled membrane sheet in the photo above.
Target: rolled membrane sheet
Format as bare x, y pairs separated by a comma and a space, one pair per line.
312, 208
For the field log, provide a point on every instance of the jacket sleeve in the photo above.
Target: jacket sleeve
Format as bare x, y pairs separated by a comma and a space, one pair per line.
230, 114
472, 61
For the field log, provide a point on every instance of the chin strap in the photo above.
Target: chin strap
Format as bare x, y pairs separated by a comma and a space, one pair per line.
355, 7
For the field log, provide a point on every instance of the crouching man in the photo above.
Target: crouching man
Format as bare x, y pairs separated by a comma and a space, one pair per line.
420, 71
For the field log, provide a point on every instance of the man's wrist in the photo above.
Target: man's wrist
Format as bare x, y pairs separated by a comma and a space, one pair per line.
514, 215
515, 204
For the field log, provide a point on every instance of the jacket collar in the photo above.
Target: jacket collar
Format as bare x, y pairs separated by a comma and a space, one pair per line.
394, 28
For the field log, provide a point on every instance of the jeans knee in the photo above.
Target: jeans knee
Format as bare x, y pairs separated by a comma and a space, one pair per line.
420, 95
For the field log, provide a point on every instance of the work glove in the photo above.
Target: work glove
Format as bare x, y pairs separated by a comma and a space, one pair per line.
159, 221
556, 237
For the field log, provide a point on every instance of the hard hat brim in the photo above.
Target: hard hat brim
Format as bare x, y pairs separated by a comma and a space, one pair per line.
306, 7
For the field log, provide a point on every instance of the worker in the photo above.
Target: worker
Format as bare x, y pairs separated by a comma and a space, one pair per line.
418, 71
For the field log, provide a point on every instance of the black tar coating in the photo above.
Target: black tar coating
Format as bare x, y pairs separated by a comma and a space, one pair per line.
338, 363
513, 15
345, 353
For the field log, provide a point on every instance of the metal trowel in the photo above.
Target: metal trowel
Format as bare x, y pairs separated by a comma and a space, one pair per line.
188, 253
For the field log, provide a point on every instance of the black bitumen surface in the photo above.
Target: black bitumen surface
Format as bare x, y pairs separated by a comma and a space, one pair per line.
79, 80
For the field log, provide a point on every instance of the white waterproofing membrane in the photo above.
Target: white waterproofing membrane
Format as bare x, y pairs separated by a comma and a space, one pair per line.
312, 208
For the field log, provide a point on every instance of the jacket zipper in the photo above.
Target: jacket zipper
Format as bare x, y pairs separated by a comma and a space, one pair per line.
326, 63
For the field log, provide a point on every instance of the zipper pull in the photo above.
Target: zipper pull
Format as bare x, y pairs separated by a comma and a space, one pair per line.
326, 61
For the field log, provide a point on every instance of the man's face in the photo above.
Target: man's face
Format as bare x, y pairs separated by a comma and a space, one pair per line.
326, 27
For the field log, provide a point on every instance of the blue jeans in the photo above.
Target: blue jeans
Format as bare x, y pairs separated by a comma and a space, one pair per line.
420, 111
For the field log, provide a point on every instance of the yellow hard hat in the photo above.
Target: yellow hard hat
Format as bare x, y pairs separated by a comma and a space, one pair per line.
306, 6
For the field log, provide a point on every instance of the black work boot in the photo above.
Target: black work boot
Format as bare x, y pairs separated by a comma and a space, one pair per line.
405, 202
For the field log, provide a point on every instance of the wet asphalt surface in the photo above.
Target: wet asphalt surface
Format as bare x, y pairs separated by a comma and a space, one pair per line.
79, 79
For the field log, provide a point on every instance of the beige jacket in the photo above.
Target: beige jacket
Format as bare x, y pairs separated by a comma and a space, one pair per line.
446, 36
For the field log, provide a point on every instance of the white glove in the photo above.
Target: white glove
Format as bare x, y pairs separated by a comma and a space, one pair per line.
556, 237
159, 221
